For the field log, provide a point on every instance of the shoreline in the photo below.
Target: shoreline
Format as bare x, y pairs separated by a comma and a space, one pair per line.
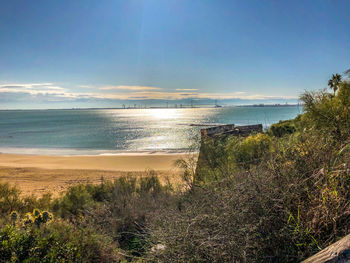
86, 152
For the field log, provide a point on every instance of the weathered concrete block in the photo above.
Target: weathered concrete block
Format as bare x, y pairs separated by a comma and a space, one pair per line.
231, 129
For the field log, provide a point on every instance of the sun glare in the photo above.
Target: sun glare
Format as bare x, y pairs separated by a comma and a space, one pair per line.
165, 113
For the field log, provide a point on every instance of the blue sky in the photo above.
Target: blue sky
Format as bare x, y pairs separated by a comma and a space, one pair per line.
105, 53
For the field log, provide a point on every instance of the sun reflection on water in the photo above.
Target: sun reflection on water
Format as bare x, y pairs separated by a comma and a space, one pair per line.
165, 113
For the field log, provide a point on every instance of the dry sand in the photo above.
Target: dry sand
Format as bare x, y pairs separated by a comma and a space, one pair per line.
39, 174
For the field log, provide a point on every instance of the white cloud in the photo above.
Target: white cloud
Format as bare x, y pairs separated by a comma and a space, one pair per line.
187, 89
26, 85
51, 92
134, 88
85, 86
31, 88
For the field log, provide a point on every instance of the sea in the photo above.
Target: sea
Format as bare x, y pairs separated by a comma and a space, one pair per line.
116, 131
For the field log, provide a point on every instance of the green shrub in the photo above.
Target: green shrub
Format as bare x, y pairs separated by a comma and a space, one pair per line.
130, 203
328, 114
73, 202
9, 199
247, 151
55, 243
213, 163
282, 128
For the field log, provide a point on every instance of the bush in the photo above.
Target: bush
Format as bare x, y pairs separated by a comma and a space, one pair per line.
130, 202
282, 128
283, 209
213, 163
74, 202
9, 199
58, 242
116, 211
328, 114
249, 151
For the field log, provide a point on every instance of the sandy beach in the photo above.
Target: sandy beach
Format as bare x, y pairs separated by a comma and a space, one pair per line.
39, 174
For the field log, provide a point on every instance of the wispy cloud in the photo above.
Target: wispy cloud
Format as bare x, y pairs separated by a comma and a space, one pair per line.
26, 85
85, 86
186, 89
160, 95
52, 92
31, 88
133, 88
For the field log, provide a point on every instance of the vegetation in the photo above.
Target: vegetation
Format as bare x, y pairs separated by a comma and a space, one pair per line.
89, 223
282, 128
279, 196
334, 82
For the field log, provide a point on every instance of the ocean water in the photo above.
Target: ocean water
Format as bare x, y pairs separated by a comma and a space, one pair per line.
112, 131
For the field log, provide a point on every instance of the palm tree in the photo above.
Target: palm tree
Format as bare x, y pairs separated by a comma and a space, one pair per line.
334, 82
347, 73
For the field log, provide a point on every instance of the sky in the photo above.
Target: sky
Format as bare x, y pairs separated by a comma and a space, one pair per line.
105, 53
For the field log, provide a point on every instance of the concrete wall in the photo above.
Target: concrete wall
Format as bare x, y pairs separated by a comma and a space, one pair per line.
217, 130
231, 129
